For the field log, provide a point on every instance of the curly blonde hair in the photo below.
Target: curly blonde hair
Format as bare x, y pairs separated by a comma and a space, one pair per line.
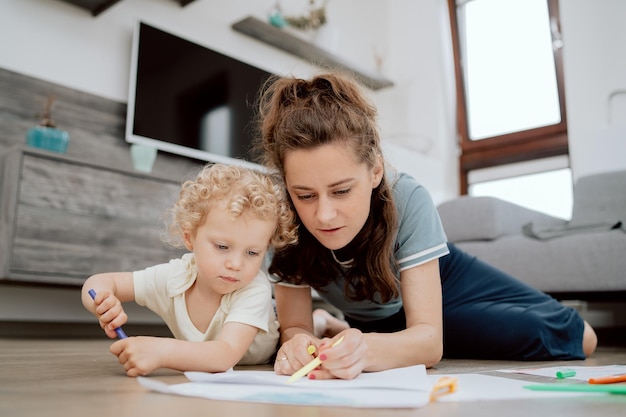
244, 190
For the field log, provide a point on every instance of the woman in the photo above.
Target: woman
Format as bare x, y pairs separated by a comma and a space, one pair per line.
371, 243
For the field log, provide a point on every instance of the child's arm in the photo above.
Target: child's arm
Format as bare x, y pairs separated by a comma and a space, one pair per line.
112, 289
142, 355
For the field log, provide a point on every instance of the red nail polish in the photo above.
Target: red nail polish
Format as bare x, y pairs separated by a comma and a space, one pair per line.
322, 357
311, 376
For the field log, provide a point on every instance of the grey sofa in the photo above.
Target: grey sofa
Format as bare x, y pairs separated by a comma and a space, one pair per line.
583, 257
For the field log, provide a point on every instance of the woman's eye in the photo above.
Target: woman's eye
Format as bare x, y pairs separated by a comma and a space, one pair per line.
342, 192
305, 197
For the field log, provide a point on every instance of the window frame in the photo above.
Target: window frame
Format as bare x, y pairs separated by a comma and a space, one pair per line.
514, 147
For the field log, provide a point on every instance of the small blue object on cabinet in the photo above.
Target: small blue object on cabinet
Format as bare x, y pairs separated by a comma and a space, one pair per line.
46, 135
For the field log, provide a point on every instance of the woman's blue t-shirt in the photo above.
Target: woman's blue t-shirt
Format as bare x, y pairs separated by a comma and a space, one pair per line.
420, 238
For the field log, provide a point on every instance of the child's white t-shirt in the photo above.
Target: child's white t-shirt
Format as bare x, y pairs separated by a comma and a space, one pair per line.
162, 289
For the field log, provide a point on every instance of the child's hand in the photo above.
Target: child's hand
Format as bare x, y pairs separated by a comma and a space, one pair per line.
110, 312
140, 355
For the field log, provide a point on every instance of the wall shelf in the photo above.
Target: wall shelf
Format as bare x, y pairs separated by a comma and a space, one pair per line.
95, 7
281, 39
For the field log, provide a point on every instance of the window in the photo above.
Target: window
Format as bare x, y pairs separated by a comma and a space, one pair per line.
530, 184
510, 95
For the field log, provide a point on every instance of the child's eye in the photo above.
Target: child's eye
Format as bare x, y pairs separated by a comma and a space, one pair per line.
221, 247
253, 253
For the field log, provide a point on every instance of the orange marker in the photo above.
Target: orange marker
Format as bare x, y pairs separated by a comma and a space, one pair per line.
610, 379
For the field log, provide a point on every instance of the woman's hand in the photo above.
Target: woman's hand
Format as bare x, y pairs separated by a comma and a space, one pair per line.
294, 354
346, 360
110, 312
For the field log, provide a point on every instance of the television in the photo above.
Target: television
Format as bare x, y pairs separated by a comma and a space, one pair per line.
187, 99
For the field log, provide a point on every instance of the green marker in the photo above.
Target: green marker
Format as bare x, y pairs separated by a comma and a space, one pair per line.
607, 388
565, 373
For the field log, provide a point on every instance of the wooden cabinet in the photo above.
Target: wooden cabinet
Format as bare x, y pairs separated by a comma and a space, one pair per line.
62, 220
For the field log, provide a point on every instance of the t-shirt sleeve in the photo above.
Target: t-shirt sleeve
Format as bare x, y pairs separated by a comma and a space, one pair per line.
421, 237
252, 304
150, 286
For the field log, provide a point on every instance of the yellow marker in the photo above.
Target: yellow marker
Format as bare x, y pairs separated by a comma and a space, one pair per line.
309, 366
311, 349
444, 385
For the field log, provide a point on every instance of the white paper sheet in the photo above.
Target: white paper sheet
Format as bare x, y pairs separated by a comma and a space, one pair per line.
475, 387
396, 388
413, 377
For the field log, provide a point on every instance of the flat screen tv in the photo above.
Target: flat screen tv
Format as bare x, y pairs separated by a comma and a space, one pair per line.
187, 99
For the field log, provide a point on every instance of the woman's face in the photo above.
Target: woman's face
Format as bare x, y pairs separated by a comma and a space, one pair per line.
331, 191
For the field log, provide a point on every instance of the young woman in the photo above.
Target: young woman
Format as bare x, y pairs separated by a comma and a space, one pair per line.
215, 299
371, 244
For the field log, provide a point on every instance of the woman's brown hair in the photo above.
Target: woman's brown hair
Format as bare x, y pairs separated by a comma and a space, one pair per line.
330, 109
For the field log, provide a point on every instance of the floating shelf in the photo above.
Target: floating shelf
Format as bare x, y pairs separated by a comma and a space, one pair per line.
281, 39
95, 7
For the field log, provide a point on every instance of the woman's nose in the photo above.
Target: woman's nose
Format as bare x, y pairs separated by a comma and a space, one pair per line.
325, 210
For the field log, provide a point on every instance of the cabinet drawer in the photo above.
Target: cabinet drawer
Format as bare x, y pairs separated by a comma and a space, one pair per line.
64, 220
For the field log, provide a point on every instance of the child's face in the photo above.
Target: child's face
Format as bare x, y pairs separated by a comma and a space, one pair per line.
229, 251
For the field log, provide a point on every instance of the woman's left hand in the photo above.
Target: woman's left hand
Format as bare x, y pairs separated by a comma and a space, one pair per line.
293, 354
346, 360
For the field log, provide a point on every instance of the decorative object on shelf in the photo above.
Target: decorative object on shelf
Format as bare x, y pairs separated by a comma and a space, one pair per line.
275, 17
315, 19
312, 26
46, 135
143, 157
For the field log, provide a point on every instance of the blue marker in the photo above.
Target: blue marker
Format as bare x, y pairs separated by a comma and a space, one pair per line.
119, 331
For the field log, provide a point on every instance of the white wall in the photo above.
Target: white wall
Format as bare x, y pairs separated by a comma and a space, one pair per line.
594, 56
418, 113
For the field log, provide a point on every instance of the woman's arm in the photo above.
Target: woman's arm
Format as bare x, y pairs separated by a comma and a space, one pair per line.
142, 355
294, 308
420, 343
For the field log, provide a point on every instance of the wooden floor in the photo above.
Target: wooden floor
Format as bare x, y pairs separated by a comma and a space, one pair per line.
79, 377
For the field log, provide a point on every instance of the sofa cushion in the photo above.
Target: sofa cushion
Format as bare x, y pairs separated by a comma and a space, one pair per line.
600, 199
585, 262
487, 218
599, 205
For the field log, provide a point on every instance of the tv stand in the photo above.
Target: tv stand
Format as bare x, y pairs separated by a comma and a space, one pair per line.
63, 219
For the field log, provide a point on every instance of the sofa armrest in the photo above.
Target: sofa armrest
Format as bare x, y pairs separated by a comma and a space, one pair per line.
487, 218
